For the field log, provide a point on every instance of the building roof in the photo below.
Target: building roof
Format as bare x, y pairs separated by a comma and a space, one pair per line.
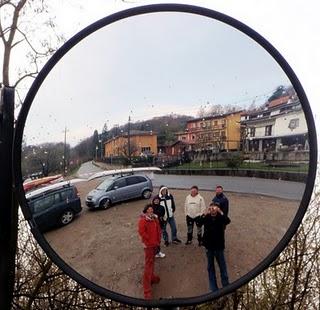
279, 101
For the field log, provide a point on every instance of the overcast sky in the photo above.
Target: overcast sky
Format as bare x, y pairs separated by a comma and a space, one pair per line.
169, 63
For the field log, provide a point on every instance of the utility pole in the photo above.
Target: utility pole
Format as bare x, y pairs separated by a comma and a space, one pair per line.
65, 152
129, 147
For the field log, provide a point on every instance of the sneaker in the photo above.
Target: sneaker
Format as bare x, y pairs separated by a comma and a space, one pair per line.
160, 255
166, 243
176, 241
188, 242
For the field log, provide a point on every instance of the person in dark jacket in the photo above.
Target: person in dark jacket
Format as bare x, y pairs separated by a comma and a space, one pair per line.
167, 201
214, 221
160, 212
150, 233
221, 199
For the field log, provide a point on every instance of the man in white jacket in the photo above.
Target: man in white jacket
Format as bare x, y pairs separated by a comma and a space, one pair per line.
194, 208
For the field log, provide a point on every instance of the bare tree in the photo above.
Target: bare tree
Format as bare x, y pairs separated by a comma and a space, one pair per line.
19, 21
217, 109
124, 149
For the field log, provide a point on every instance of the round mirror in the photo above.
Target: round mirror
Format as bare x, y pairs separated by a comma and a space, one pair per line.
173, 111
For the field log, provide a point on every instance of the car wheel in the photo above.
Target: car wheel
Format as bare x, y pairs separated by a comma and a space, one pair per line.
67, 217
105, 204
146, 194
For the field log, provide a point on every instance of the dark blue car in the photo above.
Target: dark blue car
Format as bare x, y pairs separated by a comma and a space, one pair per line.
54, 206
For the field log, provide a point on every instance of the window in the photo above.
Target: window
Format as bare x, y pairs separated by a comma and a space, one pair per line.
252, 131
135, 180
294, 123
146, 149
120, 183
285, 109
43, 203
67, 194
268, 130
193, 137
141, 179
215, 123
132, 180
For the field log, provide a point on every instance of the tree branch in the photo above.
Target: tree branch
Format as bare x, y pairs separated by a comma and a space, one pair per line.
16, 43
29, 43
31, 74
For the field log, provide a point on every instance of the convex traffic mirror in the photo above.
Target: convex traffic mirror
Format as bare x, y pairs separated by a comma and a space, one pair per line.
165, 96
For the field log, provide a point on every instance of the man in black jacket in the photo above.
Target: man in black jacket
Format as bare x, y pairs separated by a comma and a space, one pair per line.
222, 199
167, 201
214, 221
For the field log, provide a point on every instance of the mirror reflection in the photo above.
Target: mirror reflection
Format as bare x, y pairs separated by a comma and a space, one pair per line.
174, 115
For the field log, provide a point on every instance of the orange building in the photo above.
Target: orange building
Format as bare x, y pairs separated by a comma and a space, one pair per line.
141, 143
220, 132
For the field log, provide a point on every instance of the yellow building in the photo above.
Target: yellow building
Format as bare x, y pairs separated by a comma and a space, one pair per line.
220, 132
141, 143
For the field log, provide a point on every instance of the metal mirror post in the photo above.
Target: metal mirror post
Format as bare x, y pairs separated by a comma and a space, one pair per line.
8, 206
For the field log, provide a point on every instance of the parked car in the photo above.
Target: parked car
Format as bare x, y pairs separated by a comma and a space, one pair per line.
119, 188
54, 205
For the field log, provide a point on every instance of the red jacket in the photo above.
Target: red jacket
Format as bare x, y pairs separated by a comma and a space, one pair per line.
149, 230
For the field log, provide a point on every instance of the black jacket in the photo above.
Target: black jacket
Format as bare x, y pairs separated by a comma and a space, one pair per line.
159, 211
223, 201
214, 227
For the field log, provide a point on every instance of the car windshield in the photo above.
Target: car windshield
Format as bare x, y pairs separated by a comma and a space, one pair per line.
105, 184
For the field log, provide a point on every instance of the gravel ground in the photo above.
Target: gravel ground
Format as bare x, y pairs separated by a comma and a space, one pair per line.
104, 246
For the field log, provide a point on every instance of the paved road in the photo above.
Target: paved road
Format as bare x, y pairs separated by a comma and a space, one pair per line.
87, 169
274, 188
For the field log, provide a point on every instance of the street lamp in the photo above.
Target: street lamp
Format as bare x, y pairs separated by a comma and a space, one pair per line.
100, 141
46, 164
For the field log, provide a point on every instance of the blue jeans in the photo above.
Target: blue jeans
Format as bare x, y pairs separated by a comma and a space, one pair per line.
219, 256
173, 227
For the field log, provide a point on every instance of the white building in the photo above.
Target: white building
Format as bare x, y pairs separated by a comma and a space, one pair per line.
279, 126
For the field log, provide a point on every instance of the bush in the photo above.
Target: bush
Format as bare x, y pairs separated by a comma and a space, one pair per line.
234, 161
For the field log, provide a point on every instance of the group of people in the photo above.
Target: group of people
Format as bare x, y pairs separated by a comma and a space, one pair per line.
210, 222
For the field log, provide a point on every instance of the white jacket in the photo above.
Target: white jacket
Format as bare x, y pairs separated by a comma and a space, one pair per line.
194, 206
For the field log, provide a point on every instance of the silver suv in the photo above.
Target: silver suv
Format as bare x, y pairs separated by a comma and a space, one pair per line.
119, 188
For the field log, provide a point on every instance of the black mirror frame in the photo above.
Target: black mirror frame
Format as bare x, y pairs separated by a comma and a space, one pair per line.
107, 21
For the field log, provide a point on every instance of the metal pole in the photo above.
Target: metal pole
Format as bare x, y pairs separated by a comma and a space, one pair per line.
129, 147
8, 205
101, 149
64, 151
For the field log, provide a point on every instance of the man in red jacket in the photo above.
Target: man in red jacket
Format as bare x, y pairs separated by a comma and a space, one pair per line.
150, 233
